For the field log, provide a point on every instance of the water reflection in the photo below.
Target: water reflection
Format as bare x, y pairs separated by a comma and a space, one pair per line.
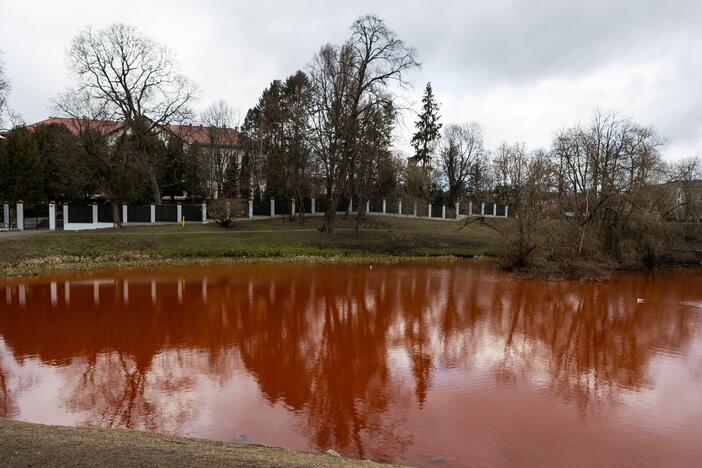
352, 358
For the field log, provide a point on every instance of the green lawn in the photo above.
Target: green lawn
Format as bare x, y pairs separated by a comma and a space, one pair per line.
379, 236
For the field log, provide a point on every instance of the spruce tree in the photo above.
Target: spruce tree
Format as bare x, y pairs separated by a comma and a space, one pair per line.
21, 171
428, 128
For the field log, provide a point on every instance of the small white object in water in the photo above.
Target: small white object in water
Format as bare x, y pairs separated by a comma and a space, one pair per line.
639, 301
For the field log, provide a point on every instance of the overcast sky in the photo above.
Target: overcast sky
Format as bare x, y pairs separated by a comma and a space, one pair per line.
522, 69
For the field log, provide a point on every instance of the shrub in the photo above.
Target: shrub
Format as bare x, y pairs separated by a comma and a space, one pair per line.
226, 210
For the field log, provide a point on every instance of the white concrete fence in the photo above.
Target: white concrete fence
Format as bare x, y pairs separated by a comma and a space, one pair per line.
139, 216
96, 223
488, 210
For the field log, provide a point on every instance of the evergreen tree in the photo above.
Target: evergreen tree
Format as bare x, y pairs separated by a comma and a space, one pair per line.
193, 179
175, 166
428, 127
21, 171
67, 176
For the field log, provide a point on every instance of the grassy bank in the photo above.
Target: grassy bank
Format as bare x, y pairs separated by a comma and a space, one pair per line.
25, 444
381, 238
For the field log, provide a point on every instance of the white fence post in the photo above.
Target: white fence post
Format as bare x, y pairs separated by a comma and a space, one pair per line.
367, 206
494, 209
351, 205
204, 212
152, 217
399, 206
429, 210
125, 213
414, 208
95, 213
272, 207
20, 215
292, 207
385, 204
312, 200
470, 208
6, 214
52, 216
179, 213
443, 211
458, 207
65, 215
506, 211
250, 208
482, 209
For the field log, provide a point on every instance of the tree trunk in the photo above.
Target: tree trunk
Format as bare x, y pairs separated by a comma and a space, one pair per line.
301, 209
155, 189
330, 215
115, 213
360, 214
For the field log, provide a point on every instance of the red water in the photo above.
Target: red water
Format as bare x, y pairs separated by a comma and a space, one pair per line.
421, 364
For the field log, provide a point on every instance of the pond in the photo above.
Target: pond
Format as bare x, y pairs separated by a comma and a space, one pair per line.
419, 363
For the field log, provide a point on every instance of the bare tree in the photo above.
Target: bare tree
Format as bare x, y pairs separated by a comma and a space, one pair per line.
375, 134
136, 80
460, 149
524, 181
599, 167
348, 81
220, 153
4, 91
105, 163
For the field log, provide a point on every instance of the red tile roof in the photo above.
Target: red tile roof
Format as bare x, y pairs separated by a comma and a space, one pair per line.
74, 125
201, 135
189, 133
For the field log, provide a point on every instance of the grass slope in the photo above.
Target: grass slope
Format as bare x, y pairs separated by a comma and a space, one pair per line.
23, 444
380, 237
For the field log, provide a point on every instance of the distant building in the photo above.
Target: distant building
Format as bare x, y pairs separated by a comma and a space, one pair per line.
688, 200
219, 148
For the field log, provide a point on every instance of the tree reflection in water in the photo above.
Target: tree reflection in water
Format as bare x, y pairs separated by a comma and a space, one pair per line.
349, 350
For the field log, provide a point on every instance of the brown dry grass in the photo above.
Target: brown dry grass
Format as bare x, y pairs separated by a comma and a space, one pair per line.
24, 444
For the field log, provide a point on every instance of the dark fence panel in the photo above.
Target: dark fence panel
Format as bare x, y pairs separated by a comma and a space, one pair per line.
139, 214
80, 214
192, 212
282, 207
489, 209
501, 209
463, 208
105, 213
307, 205
407, 206
261, 207
342, 205
392, 206
167, 214
436, 211
476, 209
375, 206
321, 205
36, 217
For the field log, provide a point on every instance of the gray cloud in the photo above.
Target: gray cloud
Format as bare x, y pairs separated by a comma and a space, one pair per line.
521, 68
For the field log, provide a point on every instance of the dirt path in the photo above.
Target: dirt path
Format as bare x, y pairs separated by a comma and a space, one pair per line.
24, 444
